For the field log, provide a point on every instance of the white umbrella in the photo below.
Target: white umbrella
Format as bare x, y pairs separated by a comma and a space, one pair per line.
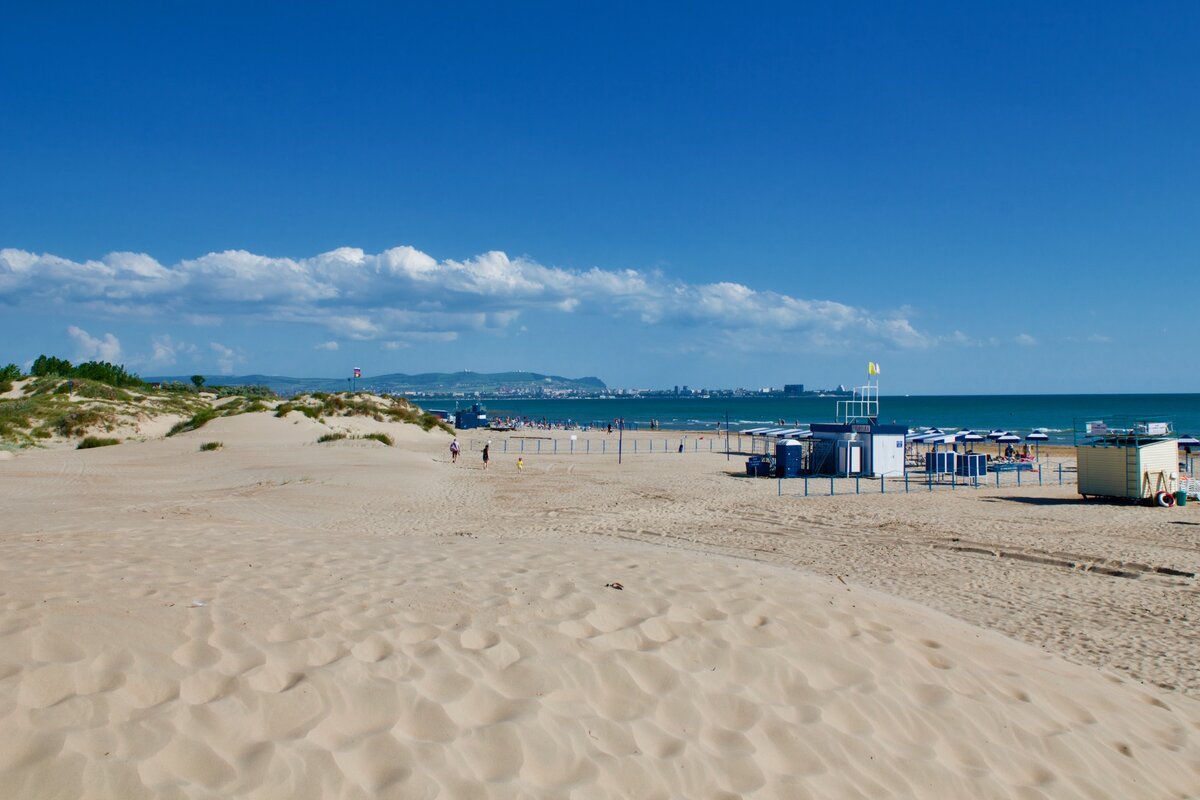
1037, 437
1005, 438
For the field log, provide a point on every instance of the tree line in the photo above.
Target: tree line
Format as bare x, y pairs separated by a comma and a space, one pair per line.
100, 371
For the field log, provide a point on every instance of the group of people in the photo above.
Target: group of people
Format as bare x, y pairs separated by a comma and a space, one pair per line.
543, 424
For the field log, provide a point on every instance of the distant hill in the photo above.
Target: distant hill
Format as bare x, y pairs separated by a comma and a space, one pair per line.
429, 382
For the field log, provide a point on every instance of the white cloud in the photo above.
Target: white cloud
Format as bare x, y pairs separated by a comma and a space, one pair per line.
330, 345
164, 350
227, 357
393, 295
960, 339
89, 347
1095, 338
1025, 339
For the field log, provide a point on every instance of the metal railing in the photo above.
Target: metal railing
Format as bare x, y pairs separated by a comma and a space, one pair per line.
1058, 474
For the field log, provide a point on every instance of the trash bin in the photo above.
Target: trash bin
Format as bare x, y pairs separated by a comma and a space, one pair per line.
1181, 498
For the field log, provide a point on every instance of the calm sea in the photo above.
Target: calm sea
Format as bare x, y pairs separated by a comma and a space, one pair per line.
1020, 413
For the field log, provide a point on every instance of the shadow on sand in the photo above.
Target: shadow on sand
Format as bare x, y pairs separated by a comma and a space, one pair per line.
1058, 501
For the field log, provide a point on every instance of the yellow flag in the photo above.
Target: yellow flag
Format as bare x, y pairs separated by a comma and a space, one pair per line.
872, 368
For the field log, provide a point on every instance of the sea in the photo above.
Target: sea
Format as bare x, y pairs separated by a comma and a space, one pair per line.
1057, 414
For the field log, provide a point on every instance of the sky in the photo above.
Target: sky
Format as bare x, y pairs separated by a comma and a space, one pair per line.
979, 197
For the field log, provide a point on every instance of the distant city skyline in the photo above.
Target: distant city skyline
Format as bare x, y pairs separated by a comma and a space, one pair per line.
981, 199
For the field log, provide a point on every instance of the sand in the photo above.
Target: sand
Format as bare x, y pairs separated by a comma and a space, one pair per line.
281, 618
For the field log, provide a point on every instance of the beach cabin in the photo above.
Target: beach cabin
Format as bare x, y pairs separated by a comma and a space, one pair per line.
866, 449
476, 417
1130, 459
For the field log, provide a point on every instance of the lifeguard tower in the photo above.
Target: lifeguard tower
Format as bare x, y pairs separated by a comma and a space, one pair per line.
1126, 457
857, 444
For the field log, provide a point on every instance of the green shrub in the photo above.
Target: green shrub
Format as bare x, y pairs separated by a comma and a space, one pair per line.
94, 389
256, 406
10, 372
175, 387
199, 420
253, 392
284, 410
379, 437
76, 421
96, 441
331, 437
5, 386
208, 446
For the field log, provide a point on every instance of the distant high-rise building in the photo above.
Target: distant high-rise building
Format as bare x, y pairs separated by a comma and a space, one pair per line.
793, 389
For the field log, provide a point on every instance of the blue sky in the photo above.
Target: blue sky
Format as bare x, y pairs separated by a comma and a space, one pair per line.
982, 199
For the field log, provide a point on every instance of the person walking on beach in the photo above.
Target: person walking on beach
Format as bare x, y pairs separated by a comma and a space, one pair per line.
520, 465
454, 448
486, 456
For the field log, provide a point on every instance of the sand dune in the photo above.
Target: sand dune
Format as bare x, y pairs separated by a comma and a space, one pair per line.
286, 619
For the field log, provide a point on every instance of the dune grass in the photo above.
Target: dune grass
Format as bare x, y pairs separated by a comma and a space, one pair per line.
379, 437
312, 412
380, 409
96, 441
198, 420
210, 446
331, 437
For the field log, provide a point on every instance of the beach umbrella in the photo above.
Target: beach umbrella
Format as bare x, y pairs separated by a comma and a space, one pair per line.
996, 434
1005, 438
1037, 437
1187, 442
970, 437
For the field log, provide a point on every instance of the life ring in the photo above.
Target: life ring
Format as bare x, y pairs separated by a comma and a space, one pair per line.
1165, 499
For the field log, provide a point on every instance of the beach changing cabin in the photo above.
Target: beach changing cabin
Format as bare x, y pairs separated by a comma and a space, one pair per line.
1132, 459
867, 449
476, 417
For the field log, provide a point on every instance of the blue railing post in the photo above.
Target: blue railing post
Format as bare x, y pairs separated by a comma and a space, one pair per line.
806, 486
780, 482
856, 484
1060, 473
506, 445
997, 480
1039, 474
1018, 476
539, 445
556, 446
883, 484
831, 486
906, 481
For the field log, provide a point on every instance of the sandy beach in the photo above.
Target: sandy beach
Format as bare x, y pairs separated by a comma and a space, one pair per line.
281, 618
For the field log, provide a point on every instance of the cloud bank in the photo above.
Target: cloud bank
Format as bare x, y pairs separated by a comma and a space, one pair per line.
88, 347
405, 295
